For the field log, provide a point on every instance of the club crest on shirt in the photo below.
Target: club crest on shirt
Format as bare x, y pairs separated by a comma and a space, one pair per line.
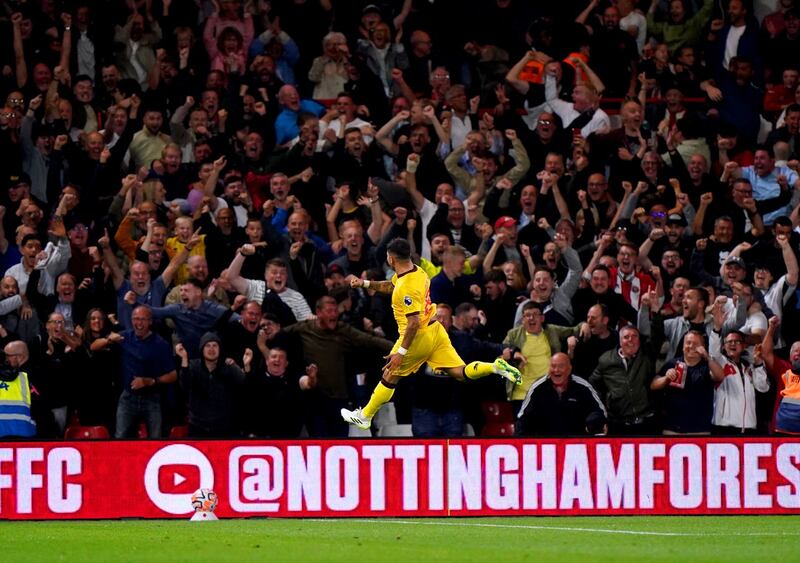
407, 301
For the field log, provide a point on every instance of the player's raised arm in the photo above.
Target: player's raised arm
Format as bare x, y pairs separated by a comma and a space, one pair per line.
385, 286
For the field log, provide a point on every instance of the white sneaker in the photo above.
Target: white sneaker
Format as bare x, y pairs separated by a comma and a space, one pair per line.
356, 418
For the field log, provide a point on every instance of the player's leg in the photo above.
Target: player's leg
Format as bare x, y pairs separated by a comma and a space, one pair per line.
382, 394
445, 358
417, 355
476, 370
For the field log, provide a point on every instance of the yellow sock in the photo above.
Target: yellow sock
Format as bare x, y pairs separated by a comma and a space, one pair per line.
476, 370
380, 396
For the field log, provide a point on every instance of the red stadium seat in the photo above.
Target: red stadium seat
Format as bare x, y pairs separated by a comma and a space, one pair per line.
86, 433
179, 432
142, 430
498, 429
497, 411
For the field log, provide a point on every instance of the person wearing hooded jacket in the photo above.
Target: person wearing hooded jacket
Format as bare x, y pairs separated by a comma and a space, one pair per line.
211, 384
735, 395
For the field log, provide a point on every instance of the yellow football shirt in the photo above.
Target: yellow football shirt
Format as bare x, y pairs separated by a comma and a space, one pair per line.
412, 294
536, 350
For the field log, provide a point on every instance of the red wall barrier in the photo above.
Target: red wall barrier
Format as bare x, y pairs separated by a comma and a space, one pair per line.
401, 477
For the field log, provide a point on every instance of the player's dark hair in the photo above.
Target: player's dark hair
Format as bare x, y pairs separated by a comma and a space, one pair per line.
400, 249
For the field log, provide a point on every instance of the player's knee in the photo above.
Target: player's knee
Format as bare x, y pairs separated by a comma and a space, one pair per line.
390, 381
456, 373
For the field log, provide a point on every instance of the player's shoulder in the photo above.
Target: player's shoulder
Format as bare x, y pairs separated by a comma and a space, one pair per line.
418, 278
411, 276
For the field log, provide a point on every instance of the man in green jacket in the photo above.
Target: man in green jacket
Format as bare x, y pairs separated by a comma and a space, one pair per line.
622, 378
534, 344
329, 343
679, 29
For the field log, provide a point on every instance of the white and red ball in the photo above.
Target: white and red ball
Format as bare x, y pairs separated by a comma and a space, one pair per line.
204, 500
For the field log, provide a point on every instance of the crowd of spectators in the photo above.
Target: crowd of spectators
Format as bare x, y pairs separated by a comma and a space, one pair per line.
605, 193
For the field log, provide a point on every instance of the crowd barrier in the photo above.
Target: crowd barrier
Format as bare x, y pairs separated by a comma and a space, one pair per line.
403, 478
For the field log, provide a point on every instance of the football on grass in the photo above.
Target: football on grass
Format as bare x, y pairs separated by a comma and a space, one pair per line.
204, 500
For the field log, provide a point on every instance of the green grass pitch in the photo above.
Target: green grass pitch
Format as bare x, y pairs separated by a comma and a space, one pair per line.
586, 539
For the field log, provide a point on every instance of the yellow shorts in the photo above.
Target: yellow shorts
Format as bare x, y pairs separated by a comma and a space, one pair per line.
431, 345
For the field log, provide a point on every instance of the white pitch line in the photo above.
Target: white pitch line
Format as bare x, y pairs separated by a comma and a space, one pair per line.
555, 528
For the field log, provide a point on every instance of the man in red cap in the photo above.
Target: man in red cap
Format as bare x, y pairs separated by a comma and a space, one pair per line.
504, 246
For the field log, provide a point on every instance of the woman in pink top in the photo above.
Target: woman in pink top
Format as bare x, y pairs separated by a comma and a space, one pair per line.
231, 14
231, 55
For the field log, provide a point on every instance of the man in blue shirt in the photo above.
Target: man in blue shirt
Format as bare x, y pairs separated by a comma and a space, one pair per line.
773, 186
147, 363
450, 286
286, 127
140, 288
194, 316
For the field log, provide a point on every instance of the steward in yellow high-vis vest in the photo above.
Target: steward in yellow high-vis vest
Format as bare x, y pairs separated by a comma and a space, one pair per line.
15, 405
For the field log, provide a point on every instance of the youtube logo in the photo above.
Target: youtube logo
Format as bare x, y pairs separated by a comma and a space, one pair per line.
173, 473
178, 478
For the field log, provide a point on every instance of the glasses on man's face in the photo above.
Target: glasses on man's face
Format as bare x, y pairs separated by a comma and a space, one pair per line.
734, 341
55, 322
16, 100
545, 122
657, 214
441, 76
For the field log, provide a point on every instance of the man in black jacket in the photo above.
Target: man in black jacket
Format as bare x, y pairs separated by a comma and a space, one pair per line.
210, 385
466, 334
274, 396
561, 404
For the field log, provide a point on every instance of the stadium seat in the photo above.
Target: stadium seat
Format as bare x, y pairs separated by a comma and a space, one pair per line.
86, 433
387, 416
179, 432
395, 431
355, 432
497, 411
764, 130
74, 420
142, 430
498, 429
